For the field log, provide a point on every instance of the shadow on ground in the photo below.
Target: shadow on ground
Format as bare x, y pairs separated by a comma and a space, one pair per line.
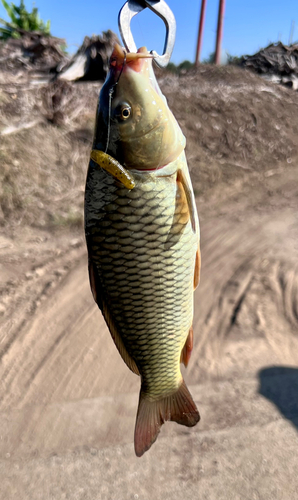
279, 384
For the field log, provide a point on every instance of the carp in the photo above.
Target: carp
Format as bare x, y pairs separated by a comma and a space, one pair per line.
142, 234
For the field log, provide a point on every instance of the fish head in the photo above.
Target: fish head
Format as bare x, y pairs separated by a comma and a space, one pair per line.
134, 122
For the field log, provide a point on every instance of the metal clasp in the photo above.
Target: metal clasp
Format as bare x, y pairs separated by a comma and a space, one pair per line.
130, 9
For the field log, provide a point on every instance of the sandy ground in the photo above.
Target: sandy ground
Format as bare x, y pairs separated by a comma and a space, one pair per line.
68, 402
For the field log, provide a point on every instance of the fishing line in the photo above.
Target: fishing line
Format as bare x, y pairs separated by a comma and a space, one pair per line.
111, 92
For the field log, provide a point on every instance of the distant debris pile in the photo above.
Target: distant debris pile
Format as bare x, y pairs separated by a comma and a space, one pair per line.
36, 56
91, 62
277, 63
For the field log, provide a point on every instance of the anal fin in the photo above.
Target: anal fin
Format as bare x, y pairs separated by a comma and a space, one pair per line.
187, 349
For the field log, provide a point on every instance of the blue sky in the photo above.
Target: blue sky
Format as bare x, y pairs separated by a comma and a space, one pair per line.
248, 24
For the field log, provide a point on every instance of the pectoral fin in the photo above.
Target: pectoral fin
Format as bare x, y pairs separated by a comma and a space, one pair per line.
114, 168
189, 198
98, 295
187, 349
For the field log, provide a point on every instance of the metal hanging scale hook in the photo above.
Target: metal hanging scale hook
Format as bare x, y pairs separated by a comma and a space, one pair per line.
130, 9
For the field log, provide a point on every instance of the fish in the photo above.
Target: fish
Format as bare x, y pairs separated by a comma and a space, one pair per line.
143, 239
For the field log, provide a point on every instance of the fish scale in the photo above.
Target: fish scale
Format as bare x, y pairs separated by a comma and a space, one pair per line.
149, 280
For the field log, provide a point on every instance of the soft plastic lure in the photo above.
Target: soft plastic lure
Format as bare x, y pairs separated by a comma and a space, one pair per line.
114, 168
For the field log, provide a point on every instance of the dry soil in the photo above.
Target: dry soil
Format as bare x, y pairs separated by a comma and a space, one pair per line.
68, 402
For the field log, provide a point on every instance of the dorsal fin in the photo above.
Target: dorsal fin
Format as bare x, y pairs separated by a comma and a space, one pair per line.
187, 349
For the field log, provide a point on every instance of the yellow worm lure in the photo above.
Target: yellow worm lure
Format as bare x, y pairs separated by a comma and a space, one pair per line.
114, 168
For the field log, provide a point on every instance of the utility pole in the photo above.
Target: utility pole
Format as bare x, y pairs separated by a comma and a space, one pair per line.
221, 10
200, 34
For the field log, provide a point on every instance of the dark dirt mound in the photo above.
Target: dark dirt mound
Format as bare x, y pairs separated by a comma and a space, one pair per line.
277, 62
34, 57
32, 50
234, 122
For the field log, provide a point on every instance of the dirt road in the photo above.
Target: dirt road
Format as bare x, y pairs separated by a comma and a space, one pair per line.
68, 401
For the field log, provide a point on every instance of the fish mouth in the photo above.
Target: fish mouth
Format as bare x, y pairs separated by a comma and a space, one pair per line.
120, 58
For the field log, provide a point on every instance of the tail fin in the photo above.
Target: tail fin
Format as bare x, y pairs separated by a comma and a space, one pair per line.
178, 407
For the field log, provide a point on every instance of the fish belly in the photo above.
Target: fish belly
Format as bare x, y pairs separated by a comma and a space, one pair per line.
143, 249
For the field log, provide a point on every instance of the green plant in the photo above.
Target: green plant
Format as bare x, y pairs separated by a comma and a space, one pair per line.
172, 67
185, 65
21, 19
234, 60
210, 59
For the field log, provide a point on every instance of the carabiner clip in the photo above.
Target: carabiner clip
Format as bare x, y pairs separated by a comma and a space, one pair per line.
130, 9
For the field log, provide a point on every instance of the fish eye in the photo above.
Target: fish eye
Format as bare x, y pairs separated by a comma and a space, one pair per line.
122, 112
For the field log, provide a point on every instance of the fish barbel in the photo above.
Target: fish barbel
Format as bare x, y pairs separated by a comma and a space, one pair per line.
142, 234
